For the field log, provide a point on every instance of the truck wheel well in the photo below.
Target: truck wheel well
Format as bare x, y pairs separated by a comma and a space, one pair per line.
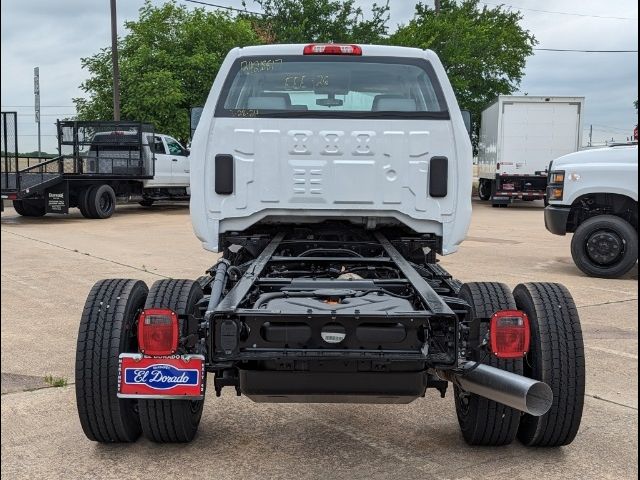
593, 204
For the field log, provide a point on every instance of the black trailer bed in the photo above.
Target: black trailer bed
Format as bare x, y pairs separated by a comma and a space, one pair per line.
89, 151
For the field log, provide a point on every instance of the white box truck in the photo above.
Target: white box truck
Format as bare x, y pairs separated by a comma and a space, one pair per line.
519, 136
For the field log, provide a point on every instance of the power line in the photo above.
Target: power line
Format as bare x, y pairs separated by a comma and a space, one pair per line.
42, 106
559, 13
583, 51
226, 8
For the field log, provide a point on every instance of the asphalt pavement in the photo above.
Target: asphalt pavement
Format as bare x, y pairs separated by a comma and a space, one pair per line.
49, 265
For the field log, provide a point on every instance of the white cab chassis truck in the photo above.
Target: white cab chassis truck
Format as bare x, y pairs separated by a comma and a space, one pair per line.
100, 164
594, 195
519, 136
330, 177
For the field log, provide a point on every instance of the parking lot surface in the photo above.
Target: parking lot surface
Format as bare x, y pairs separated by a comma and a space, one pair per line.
49, 264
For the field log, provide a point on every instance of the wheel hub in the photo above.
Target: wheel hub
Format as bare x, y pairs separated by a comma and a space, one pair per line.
105, 202
605, 247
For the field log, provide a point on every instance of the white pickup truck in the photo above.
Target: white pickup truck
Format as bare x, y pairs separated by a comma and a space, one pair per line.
594, 195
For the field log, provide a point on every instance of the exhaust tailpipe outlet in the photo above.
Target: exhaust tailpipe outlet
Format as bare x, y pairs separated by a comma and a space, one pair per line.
522, 393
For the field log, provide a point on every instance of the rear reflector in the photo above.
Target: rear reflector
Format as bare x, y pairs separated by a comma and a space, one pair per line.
332, 49
509, 334
158, 331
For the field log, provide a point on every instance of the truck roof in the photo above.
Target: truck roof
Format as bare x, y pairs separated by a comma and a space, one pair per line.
622, 153
297, 49
535, 99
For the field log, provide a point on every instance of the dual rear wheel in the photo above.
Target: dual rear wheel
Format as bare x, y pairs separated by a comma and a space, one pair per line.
108, 328
97, 201
556, 357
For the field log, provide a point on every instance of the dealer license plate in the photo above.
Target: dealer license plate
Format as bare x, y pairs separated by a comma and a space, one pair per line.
171, 377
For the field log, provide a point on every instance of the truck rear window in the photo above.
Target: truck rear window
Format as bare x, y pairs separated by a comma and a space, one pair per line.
332, 87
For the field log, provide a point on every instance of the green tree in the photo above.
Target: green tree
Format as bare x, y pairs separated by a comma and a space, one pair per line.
304, 21
483, 50
168, 61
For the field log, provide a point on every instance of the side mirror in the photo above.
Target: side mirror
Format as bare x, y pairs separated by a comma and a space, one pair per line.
466, 118
187, 152
194, 118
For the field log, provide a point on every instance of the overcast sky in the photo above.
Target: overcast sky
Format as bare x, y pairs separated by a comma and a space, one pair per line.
54, 35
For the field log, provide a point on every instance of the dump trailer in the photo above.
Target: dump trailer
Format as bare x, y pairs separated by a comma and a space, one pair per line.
327, 180
519, 137
100, 164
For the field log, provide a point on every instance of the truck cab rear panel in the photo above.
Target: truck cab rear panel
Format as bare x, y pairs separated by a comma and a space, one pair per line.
266, 151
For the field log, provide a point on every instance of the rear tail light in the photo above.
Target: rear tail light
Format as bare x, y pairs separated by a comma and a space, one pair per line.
509, 334
332, 49
12, 196
158, 331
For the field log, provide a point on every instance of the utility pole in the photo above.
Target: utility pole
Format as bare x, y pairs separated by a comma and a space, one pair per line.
36, 93
437, 6
114, 60
590, 134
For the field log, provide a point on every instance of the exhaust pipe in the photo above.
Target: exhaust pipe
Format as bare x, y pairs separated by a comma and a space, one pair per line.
522, 393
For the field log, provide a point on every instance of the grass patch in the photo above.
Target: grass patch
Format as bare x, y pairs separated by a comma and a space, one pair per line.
55, 381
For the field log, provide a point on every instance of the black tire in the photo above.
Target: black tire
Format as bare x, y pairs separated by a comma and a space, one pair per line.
484, 190
101, 201
107, 329
482, 421
146, 202
172, 421
30, 208
556, 357
18, 206
83, 198
605, 246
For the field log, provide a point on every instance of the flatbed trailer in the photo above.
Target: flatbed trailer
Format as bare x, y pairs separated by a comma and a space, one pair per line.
94, 169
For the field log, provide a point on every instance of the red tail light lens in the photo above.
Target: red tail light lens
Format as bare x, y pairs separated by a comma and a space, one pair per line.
158, 331
332, 49
509, 334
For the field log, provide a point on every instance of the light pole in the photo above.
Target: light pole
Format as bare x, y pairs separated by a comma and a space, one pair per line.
36, 93
114, 60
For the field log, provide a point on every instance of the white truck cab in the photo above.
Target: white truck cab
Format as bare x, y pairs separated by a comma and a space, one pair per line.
171, 162
594, 195
295, 134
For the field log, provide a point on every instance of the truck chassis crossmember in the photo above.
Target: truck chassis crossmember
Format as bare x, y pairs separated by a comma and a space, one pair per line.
329, 349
